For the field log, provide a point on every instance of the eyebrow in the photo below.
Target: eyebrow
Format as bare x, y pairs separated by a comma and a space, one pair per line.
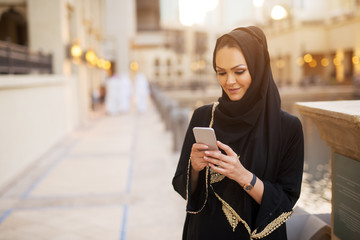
240, 65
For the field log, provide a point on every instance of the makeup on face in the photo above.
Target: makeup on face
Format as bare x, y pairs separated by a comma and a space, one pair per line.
232, 72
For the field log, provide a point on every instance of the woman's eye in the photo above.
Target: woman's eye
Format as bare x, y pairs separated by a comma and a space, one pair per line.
239, 72
221, 73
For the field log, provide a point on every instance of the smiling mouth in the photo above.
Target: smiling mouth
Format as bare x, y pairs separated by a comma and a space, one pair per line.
234, 90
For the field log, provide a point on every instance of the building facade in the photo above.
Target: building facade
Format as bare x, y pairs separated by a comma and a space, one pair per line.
39, 108
314, 43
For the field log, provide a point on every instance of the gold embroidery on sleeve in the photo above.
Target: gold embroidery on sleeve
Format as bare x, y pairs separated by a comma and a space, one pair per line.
272, 226
187, 187
234, 219
231, 215
206, 173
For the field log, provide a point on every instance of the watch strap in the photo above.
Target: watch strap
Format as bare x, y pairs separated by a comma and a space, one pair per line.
253, 181
249, 187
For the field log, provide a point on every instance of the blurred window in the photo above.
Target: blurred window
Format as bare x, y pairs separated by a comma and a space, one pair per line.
13, 27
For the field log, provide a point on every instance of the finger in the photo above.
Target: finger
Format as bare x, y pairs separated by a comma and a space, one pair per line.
199, 147
214, 154
214, 161
226, 148
217, 169
226, 159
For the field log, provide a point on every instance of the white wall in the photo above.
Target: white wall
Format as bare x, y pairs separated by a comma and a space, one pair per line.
120, 28
36, 113
46, 31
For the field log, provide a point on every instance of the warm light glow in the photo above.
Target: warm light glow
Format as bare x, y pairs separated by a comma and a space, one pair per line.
202, 64
308, 58
355, 60
194, 12
278, 12
107, 65
90, 57
134, 66
258, 3
194, 66
300, 61
324, 62
339, 65
76, 51
337, 61
313, 63
100, 63
280, 63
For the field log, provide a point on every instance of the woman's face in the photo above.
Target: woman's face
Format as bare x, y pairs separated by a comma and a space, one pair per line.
232, 72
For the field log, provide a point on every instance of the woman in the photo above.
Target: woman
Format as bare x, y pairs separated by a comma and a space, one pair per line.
247, 189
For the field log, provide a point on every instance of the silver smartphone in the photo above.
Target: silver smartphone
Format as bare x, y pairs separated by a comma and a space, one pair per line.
205, 135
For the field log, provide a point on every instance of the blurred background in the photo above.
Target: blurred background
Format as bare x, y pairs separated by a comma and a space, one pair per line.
56, 57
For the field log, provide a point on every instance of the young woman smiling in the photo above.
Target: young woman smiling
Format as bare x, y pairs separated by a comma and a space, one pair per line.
247, 189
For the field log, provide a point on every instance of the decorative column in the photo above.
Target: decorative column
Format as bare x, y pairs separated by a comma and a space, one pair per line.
339, 125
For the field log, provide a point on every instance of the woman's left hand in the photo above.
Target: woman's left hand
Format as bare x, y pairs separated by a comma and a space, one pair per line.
227, 164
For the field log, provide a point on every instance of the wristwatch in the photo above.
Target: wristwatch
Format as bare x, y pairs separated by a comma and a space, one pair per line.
249, 187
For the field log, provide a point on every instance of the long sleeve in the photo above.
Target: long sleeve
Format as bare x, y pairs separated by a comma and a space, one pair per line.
281, 195
181, 181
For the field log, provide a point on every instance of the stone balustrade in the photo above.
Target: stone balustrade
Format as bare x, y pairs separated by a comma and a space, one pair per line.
338, 123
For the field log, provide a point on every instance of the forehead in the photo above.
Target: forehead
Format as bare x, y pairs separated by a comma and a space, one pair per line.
228, 57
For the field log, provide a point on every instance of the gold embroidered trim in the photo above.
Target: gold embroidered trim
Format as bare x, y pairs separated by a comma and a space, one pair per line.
272, 226
234, 219
187, 188
231, 215
212, 113
215, 176
206, 173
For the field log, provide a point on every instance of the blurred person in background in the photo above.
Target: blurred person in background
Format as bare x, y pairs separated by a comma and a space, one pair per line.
118, 93
141, 92
248, 188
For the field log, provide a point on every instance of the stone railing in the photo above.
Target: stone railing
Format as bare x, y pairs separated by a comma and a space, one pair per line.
17, 59
176, 118
338, 123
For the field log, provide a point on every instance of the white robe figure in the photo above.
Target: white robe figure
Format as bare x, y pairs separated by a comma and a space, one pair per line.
141, 92
118, 94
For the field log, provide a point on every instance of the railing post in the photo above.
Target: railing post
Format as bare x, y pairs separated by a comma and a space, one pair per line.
8, 53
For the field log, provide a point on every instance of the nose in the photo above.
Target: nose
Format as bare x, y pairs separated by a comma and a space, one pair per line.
230, 79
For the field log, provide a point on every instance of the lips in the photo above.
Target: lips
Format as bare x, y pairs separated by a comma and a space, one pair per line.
234, 90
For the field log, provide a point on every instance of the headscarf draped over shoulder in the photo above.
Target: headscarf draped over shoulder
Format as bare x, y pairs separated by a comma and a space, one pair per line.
251, 127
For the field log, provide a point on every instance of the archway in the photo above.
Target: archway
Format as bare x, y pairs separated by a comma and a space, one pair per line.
13, 27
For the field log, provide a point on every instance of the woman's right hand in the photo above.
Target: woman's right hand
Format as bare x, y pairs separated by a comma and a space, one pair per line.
197, 156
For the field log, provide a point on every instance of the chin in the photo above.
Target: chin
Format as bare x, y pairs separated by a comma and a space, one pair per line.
235, 98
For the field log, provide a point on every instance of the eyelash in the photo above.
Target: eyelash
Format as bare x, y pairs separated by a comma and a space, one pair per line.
237, 73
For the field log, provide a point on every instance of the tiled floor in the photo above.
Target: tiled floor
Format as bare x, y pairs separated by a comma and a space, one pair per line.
108, 180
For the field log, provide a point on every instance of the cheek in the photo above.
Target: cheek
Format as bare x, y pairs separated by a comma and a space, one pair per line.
221, 80
248, 83
245, 80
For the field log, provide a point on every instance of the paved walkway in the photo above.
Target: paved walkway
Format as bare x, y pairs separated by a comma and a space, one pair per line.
108, 180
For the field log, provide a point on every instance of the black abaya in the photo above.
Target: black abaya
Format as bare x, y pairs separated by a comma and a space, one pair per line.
270, 145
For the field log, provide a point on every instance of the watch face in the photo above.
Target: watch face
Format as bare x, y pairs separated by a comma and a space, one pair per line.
248, 187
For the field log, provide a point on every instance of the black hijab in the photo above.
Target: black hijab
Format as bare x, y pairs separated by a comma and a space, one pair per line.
251, 126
